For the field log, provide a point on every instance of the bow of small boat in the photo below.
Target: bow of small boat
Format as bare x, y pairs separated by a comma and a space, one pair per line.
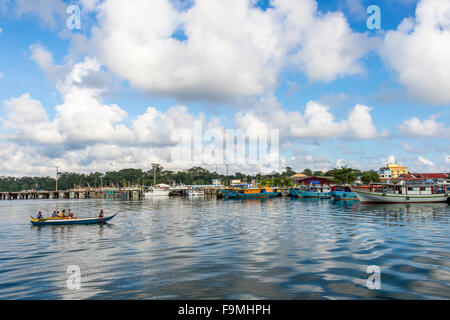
110, 217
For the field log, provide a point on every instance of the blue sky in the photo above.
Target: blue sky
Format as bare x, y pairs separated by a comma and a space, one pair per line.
277, 65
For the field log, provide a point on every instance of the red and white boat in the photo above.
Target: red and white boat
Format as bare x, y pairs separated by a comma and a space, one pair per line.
396, 193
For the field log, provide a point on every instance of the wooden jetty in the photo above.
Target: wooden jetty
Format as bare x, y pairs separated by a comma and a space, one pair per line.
132, 193
127, 193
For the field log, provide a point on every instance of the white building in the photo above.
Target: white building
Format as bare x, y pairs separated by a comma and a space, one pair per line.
385, 173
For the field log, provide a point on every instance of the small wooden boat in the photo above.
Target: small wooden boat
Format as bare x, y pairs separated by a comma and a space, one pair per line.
54, 221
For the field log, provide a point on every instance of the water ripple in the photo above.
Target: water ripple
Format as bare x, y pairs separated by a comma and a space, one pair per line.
213, 249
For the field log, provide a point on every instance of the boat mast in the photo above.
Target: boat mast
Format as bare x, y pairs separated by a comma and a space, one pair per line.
57, 178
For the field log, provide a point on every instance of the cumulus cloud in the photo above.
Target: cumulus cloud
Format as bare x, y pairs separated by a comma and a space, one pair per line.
28, 121
49, 12
317, 122
418, 52
426, 161
231, 48
156, 127
85, 132
360, 123
425, 128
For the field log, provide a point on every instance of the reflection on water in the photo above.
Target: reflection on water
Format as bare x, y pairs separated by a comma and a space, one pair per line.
175, 248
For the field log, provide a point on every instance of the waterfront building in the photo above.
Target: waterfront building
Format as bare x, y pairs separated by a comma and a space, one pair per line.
385, 173
392, 170
235, 181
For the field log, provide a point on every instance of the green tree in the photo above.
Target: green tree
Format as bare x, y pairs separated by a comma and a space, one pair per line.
370, 176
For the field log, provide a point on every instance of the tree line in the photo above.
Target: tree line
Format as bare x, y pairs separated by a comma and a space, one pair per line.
156, 175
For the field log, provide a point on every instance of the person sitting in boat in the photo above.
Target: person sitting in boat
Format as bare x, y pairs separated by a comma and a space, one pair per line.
57, 213
54, 214
39, 216
63, 213
70, 214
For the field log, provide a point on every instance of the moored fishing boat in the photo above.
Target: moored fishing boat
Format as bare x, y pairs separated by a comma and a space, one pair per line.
157, 192
312, 191
66, 221
193, 192
342, 193
250, 192
391, 193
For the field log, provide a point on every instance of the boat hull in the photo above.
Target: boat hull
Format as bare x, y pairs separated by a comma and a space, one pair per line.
343, 195
379, 197
195, 194
156, 193
233, 195
59, 222
309, 194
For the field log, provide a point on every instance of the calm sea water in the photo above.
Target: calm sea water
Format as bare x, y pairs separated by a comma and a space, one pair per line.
177, 248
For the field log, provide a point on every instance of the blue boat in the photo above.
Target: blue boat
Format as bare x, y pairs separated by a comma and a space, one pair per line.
312, 191
342, 193
68, 221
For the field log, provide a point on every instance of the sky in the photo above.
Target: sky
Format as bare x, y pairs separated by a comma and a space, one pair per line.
100, 85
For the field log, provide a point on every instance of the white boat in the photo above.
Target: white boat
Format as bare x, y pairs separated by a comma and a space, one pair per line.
156, 192
390, 193
195, 192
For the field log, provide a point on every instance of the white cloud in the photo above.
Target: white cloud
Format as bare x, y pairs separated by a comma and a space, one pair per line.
90, 5
157, 128
330, 49
425, 161
49, 12
425, 128
418, 52
360, 121
317, 122
408, 147
83, 127
232, 48
82, 117
28, 121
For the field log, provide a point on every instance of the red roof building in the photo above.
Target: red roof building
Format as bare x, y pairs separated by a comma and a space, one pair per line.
418, 177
